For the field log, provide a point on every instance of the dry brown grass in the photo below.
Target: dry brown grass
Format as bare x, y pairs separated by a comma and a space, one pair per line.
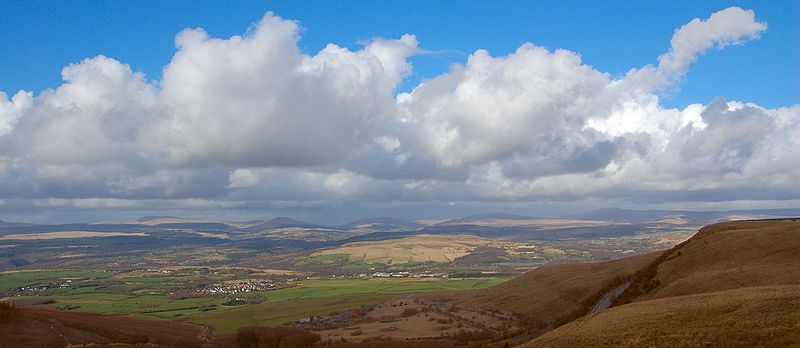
410, 319
733, 284
746, 317
42, 327
729, 256
551, 293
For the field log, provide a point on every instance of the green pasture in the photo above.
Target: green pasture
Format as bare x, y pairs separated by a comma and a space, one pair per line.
11, 280
321, 297
99, 292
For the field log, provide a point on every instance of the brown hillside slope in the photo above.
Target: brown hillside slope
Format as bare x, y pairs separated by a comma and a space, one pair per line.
733, 284
726, 256
43, 327
552, 293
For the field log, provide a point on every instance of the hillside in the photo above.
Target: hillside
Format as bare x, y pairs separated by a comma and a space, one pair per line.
552, 293
43, 327
732, 284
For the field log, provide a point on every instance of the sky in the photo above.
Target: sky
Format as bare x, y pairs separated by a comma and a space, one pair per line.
332, 111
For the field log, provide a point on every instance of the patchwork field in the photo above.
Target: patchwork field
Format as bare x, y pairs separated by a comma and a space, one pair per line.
421, 248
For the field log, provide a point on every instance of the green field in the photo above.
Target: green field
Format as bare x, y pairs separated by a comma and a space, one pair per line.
10, 280
321, 297
101, 292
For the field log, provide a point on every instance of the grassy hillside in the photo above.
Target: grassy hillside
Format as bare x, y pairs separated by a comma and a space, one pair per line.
43, 327
750, 317
733, 284
553, 293
726, 256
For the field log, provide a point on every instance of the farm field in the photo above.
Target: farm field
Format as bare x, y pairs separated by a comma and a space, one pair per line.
102, 292
322, 297
171, 296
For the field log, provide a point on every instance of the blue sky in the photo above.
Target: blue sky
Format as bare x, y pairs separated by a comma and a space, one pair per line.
41, 37
615, 104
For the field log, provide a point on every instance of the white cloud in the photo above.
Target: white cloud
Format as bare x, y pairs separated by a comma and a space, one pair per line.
12, 110
730, 26
242, 178
253, 119
257, 100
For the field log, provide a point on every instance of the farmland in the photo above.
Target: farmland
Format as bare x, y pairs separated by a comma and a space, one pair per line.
322, 297
177, 294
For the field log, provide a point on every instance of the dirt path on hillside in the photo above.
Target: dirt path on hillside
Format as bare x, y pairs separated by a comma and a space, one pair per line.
609, 297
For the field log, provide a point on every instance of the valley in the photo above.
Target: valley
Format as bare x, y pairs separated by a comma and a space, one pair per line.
375, 283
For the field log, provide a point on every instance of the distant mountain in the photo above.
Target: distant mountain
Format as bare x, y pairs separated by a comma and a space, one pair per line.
487, 216
156, 217
8, 224
382, 223
280, 222
626, 215
700, 217
246, 223
158, 220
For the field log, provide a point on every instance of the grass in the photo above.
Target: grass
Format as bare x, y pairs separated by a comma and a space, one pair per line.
99, 292
226, 322
11, 280
321, 297
351, 287
149, 305
732, 284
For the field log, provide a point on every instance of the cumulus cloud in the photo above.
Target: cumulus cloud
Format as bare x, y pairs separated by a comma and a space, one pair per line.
242, 178
732, 25
11, 110
257, 100
252, 118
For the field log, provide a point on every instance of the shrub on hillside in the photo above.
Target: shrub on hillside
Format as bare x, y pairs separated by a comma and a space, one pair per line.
8, 312
408, 312
466, 336
275, 337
